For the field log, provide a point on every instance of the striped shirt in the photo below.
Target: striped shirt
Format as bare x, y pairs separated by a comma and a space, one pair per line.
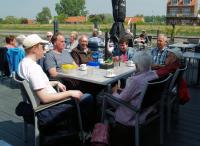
158, 56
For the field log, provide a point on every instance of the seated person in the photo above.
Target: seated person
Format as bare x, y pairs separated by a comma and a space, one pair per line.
73, 41
33, 73
159, 54
10, 41
135, 85
39, 82
58, 56
49, 45
145, 36
126, 53
172, 62
19, 39
95, 38
140, 39
82, 54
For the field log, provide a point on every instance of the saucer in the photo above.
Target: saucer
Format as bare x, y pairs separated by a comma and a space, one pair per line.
83, 69
110, 76
131, 65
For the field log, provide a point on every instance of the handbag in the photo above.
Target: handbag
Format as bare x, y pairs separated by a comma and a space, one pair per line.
100, 135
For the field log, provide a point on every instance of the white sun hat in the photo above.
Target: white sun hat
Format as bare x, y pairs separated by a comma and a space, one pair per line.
32, 40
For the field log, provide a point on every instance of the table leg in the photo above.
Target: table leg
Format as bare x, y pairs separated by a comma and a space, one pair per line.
198, 71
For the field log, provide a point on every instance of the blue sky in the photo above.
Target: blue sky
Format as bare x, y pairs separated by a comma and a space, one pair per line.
30, 8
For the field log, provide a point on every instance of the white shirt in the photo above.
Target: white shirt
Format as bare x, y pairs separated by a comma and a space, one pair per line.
33, 73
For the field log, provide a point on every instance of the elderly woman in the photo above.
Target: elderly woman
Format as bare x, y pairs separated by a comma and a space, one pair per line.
135, 85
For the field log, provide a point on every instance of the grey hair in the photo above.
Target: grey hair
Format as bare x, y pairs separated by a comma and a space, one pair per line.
143, 61
163, 37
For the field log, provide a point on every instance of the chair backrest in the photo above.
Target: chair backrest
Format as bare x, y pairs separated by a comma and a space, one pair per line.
193, 40
4, 67
93, 46
197, 49
155, 91
26, 92
130, 42
177, 76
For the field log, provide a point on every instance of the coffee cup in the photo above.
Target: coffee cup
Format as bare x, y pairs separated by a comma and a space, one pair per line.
130, 63
109, 72
100, 60
83, 67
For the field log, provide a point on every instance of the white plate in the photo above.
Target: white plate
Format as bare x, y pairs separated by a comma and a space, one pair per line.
113, 75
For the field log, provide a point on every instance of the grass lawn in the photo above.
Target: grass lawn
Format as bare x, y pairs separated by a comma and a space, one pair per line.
66, 28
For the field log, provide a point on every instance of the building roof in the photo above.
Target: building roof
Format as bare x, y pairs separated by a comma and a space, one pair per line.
134, 19
75, 19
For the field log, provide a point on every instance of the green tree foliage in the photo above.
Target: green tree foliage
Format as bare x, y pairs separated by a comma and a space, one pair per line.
44, 16
101, 18
154, 19
10, 20
23, 20
61, 18
71, 7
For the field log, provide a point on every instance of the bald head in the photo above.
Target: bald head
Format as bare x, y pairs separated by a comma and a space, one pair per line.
83, 41
161, 41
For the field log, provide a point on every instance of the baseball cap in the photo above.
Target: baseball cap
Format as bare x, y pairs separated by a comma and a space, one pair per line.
32, 40
176, 51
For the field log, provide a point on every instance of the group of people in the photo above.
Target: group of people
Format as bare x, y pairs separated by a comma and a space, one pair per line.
159, 62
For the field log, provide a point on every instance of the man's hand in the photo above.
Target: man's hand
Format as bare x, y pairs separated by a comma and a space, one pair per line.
75, 93
61, 87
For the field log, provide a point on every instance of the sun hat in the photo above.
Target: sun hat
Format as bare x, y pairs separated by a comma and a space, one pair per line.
49, 33
32, 40
176, 51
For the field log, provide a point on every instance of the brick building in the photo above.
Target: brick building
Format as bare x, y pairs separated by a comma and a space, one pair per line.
182, 12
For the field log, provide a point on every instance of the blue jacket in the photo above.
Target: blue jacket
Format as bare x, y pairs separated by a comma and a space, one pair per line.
14, 56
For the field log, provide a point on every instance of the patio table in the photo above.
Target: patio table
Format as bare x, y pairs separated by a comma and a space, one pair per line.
98, 76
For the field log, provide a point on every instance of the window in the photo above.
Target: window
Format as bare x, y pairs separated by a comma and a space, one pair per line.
186, 12
186, 2
174, 11
174, 2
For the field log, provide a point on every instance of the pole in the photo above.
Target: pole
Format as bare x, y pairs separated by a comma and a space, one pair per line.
55, 26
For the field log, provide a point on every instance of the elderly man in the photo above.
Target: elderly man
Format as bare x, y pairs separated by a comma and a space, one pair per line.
172, 62
82, 54
95, 38
159, 54
58, 56
49, 45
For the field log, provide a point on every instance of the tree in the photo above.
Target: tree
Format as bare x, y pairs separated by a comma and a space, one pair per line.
61, 18
71, 8
10, 20
44, 16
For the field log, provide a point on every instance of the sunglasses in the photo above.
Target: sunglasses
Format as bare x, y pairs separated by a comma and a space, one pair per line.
49, 36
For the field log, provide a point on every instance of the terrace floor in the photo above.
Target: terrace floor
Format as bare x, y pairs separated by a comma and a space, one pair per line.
185, 133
